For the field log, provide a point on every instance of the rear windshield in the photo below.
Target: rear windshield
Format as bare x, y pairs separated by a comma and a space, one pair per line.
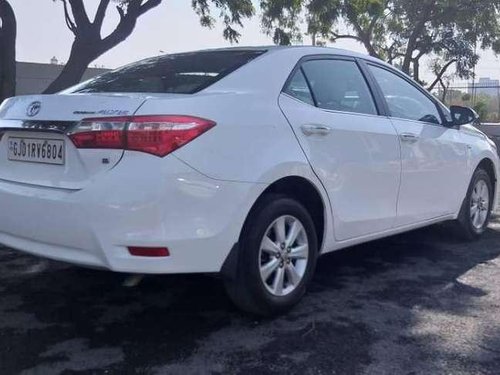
184, 73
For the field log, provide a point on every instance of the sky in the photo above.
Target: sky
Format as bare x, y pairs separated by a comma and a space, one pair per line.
171, 27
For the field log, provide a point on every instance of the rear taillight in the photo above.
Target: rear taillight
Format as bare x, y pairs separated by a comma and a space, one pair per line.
157, 135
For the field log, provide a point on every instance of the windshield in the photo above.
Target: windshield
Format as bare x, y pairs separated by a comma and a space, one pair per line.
184, 73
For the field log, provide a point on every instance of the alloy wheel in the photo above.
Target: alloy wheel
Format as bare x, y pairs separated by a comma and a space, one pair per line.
479, 204
283, 256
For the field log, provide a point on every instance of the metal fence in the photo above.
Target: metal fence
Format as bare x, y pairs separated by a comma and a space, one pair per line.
485, 99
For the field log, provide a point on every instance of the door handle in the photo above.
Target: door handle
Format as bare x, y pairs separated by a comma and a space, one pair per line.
311, 129
409, 137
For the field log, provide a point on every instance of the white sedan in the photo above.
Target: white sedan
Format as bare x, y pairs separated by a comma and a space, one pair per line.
247, 162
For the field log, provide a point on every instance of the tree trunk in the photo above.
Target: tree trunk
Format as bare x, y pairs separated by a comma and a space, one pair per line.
445, 92
73, 71
405, 67
8, 33
416, 33
369, 47
416, 70
88, 44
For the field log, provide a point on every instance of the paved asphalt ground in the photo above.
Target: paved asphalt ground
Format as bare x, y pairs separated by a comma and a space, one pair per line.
418, 303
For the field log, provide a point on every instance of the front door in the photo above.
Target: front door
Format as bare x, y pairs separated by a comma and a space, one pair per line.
434, 157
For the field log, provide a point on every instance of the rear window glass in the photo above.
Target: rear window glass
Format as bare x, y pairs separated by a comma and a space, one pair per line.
184, 73
299, 89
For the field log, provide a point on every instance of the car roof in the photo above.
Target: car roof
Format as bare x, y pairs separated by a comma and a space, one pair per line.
303, 50
306, 49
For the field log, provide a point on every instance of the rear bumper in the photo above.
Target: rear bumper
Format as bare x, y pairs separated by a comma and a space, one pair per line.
144, 201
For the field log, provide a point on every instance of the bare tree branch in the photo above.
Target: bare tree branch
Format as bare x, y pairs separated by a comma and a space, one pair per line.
440, 74
79, 13
89, 44
121, 12
127, 22
372, 25
336, 36
365, 36
101, 12
147, 6
417, 31
67, 17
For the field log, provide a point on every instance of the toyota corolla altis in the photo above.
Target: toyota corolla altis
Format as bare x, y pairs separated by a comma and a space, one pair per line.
247, 162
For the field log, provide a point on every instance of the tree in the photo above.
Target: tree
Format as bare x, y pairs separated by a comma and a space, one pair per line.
449, 31
452, 49
401, 32
8, 31
282, 18
231, 12
89, 43
481, 107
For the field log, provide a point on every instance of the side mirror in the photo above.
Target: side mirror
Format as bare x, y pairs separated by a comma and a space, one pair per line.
463, 115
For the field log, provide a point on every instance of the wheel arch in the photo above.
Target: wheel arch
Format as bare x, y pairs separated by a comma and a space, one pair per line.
488, 165
296, 187
305, 192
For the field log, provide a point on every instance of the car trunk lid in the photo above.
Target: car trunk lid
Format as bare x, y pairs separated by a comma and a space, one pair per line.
36, 126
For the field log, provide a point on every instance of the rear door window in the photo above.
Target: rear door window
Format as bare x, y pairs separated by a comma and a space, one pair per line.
339, 85
299, 89
184, 73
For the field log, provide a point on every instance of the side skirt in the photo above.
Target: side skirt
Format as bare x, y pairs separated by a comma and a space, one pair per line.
388, 233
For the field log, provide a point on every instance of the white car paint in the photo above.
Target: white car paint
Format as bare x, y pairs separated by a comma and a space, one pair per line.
195, 200
358, 161
434, 171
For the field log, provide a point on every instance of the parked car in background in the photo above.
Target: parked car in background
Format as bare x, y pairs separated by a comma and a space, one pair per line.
247, 162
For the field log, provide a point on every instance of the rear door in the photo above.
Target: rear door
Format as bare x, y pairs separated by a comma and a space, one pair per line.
354, 151
434, 157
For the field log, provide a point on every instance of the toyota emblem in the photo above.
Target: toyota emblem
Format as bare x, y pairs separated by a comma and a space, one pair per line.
34, 109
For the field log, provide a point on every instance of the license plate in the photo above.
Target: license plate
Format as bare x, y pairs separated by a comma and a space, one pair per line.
36, 150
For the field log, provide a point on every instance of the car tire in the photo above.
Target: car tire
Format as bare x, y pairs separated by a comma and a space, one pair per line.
273, 267
475, 212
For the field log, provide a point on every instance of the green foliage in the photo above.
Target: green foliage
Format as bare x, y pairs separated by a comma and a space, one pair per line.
399, 31
322, 16
230, 12
281, 19
481, 107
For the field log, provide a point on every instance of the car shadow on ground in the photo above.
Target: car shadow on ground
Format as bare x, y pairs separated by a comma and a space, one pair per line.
414, 303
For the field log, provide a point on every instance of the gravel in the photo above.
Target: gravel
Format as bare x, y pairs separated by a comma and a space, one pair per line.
418, 303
